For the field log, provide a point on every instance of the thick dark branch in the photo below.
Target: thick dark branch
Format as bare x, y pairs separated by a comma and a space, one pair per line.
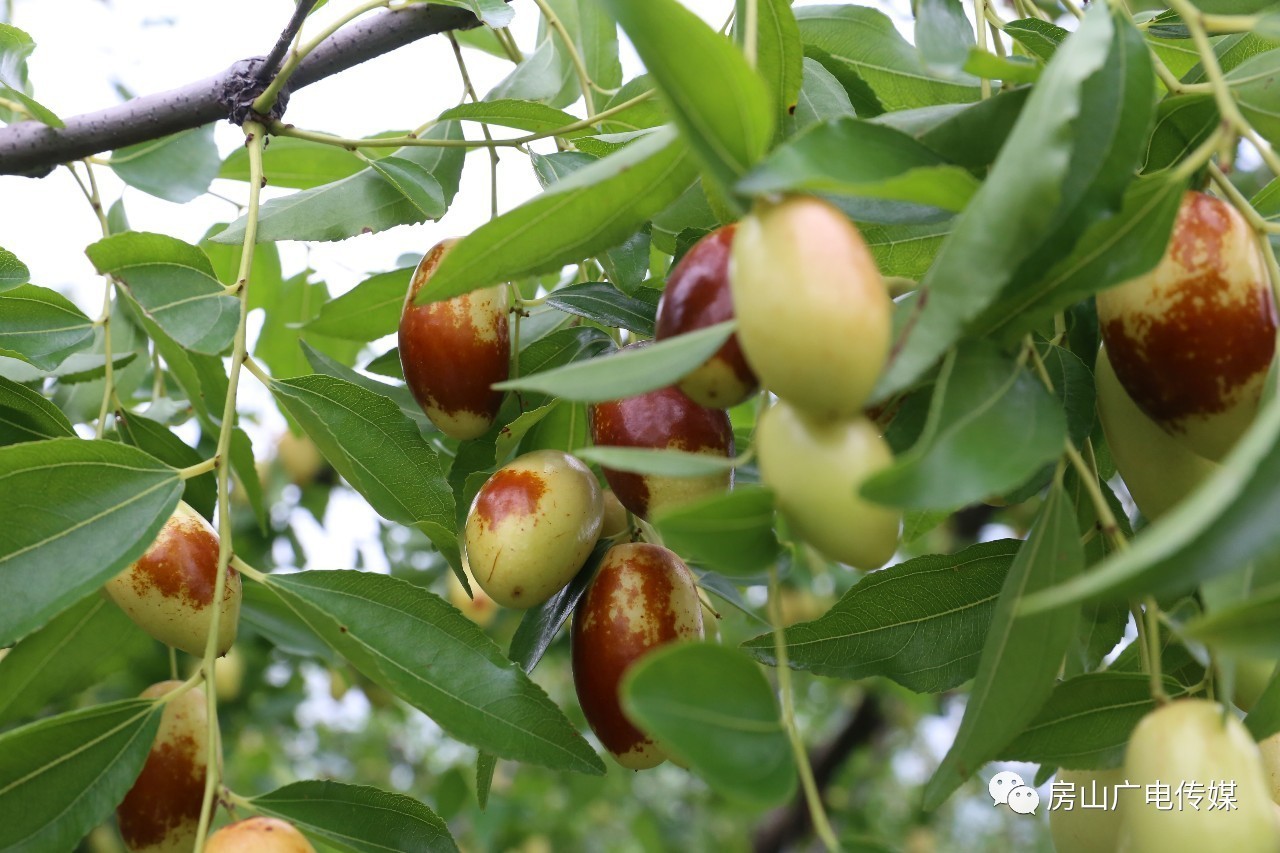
790, 824
34, 149
276, 56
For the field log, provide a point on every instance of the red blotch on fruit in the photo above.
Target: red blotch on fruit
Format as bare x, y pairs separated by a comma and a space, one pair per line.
167, 794
509, 492
182, 563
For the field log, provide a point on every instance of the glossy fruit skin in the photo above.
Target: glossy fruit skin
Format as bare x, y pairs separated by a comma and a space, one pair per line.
1081, 830
1190, 740
815, 469
1191, 340
161, 812
259, 835
478, 607
662, 420
696, 296
1269, 747
1159, 470
531, 527
813, 311
453, 351
642, 597
169, 590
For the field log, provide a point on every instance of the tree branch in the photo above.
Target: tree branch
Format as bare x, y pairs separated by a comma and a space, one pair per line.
34, 149
272, 63
790, 824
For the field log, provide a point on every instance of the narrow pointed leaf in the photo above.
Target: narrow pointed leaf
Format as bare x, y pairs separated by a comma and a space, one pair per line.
41, 326
27, 415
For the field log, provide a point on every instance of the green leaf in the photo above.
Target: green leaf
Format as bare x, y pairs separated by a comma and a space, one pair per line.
27, 415
522, 115
606, 305
921, 623
296, 163
1040, 38
595, 208
357, 818
64, 775
15, 47
1244, 626
666, 463
1086, 722
397, 394
1220, 528
13, 272
491, 13
1264, 719
157, 440
67, 655
361, 203
731, 533
720, 105
1021, 656
174, 284
1113, 250
203, 377
366, 312
177, 168
779, 53
41, 326
1183, 122
866, 42
450, 670
626, 374
991, 425
79, 497
415, 183
558, 349
906, 251
1047, 185
944, 35
1011, 69
712, 707
376, 449
821, 98
1255, 84
889, 165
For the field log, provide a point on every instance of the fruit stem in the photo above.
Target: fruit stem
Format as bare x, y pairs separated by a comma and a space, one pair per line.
173, 663
821, 825
255, 135
470, 91
247, 570
1151, 613
980, 15
751, 32
199, 468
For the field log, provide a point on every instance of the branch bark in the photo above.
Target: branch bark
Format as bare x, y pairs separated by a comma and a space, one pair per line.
790, 824
33, 149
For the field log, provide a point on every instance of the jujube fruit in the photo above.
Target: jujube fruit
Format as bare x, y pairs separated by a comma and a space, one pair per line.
662, 420
478, 607
300, 458
642, 597
1191, 341
1194, 741
169, 590
615, 517
259, 835
815, 469
696, 296
161, 812
813, 311
1158, 470
452, 351
531, 527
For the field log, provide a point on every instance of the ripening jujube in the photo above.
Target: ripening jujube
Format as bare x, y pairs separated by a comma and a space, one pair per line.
815, 469
259, 835
453, 350
1192, 340
161, 812
531, 527
1195, 741
169, 591
664, 419
697, 295
642, 597
814, 315
1158, 470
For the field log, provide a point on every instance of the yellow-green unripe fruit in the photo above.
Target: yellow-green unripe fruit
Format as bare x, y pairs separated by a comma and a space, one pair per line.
1251, 678
1092, 830
161, 812
1270, 749
531, 527
1158, 469
259, 835
813, 311
1193, 741
815, 469
169, 590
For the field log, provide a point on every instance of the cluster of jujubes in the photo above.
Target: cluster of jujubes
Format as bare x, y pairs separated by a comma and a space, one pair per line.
1187, 348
